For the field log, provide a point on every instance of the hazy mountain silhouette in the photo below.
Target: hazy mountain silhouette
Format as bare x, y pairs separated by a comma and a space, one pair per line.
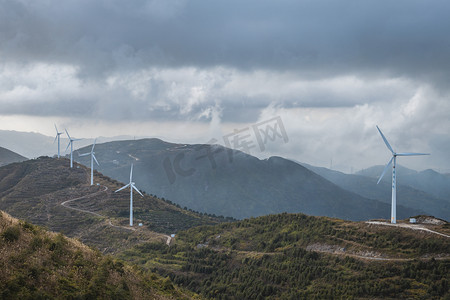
408, 194
217, 180
429, 181
32, 144
8, 156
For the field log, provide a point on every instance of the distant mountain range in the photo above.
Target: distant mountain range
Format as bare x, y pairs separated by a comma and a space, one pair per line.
409, 196
32, 144
221, 181
429, 181
195, 176
7, 157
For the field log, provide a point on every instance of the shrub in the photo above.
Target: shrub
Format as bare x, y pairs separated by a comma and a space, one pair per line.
11, 234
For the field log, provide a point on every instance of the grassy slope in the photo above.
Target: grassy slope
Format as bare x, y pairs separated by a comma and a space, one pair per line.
267, 257
36, 264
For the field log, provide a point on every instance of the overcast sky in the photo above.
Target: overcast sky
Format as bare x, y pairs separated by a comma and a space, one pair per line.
190, 71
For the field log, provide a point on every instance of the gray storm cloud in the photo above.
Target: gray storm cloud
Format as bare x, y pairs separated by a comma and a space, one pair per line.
331, 69
314, 38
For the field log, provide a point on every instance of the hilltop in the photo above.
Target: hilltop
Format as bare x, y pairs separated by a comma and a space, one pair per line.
46, 192
294, 256
36, 264
8, 156
221, 181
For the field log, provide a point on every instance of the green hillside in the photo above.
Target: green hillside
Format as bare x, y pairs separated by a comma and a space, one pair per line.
47, 192
294, 256
36, 264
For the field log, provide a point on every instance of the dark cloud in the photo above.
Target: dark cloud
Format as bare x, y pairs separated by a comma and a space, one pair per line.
316, 38
332, 69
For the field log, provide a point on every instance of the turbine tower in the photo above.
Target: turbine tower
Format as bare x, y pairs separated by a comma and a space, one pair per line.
57, 138
132, 186
394, 185
71, 140
92, 154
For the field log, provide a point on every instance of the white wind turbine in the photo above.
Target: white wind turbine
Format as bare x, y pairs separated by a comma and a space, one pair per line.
132, 186
394, 185
71, 140
92, 154
57, 138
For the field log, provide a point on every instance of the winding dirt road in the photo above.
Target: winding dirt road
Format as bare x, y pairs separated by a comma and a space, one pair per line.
410, 226
65, 204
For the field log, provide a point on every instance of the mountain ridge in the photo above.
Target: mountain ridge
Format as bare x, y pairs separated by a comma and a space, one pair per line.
406, 195
7, 157
222, 181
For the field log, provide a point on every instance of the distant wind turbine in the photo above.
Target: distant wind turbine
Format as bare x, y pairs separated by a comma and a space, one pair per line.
71, 140
132, 186
57, 138
394, 186
92, 154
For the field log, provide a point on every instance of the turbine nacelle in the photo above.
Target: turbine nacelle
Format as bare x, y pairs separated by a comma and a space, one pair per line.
57, 134
71, 140
394, 155
93, 158
57, 138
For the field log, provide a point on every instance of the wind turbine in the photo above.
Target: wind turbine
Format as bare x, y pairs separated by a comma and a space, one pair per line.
57, 138
394, 186
132, 186
71, 140
92, 154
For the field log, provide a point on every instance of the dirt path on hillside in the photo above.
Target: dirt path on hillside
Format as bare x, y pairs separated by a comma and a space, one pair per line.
377, 258
409, 226
65, 204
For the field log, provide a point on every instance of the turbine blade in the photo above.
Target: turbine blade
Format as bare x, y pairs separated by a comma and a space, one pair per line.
385, 140
56, 137
134, 187
93, 156
67, 134
124, 187
385, 169
93, 145
56, 128
131, 173
84, 154
411, 154
68, 145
